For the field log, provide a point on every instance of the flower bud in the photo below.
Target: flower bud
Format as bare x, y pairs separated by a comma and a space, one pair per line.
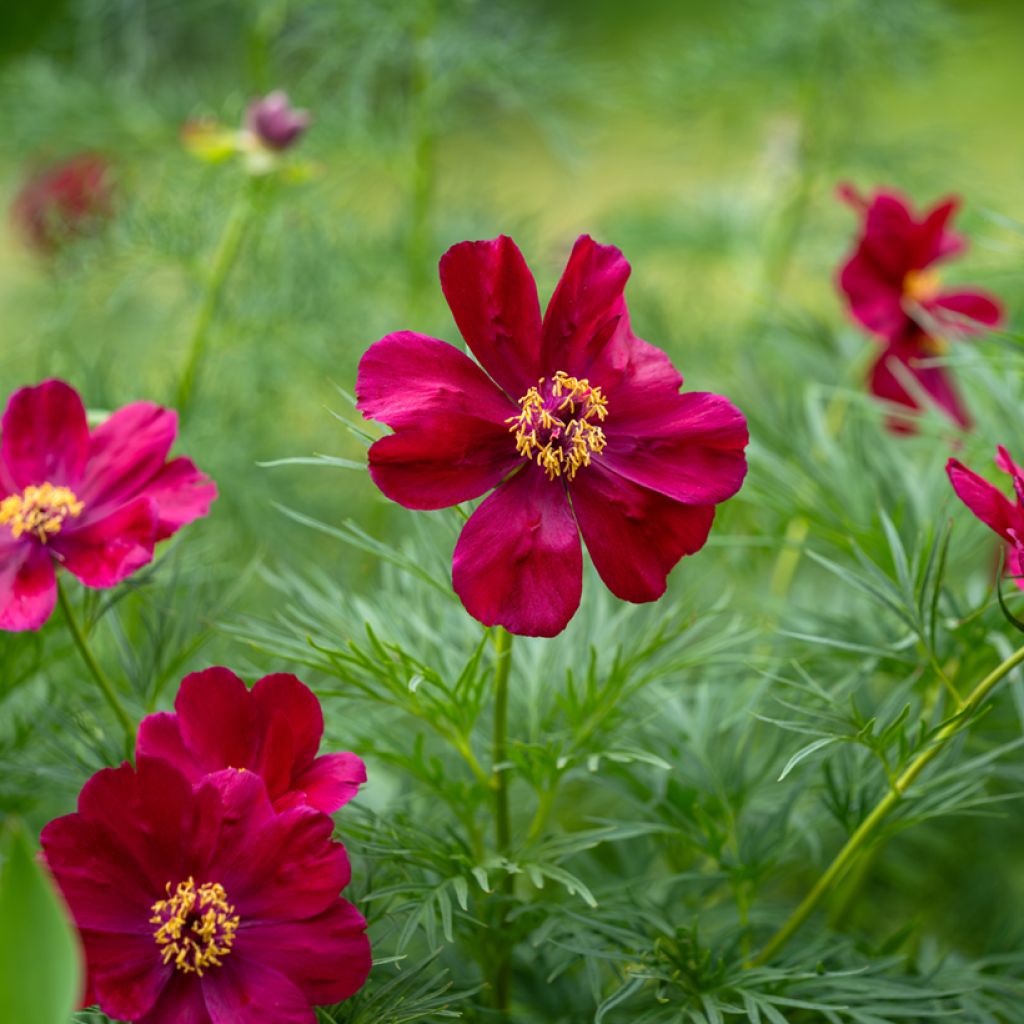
275, 122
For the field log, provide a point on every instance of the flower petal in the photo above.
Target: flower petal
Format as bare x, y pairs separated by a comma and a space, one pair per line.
217, 720
935, 381
406, 377
985, 500
289, 726
327, 956
160, 736
875, 297
518, 562
933, 240
28, 587
691, 449
330, 782
968, 312
182, 494
493, 297
446, 458
245, 992
44, 437
104, 552
126, 973
635, 536
181, 1002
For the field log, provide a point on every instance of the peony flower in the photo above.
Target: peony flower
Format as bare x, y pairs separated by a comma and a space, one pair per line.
63, 201
275, 122
203, 905
993, 508
893, 289
576, 424
275, 732
94, 503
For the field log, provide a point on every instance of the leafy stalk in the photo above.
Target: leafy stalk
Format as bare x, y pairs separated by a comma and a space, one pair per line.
502, 826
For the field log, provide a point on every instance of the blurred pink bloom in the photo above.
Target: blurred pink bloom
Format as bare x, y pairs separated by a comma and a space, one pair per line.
275, 122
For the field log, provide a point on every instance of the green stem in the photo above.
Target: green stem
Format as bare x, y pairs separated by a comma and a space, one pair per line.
867, 828
106, 687
502, 823
223, 260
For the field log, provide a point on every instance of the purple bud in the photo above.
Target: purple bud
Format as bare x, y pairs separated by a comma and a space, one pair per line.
275, 122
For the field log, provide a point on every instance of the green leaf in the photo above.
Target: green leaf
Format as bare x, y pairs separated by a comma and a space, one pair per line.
40, 962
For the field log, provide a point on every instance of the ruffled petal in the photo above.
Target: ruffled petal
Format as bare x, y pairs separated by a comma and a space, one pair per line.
182, 494
329, 783
985, 500
290, 725
493, 297
160, 736
446, 458
106, 551
126, 973
327, 956
28, 586
691, 450
181, 1002
217, 720
518, 562
44, 437
635, 536
406, 378
244, 992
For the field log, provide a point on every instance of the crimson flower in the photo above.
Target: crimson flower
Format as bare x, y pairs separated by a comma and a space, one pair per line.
94, 503
64, 200
893, 289
201, 905
275, 122
993, 508
577, 425
275, 732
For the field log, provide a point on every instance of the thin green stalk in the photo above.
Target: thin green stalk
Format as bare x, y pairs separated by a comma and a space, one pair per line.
502, 824
106, 687
867, 828
223, 260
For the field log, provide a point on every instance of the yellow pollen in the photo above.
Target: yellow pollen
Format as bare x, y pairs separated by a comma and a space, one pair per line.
921, 285
556, 425
40, 510
195, 926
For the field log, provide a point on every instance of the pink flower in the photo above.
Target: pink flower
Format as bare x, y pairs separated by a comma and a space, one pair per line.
275, 122
579, 427
94, 503
201, 905
894, 291
993, 508
64, 200
276, 728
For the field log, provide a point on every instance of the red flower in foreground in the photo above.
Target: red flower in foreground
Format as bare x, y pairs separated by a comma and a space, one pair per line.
894, 291
993, 508
275, 732
93, 503
580, 426
202, 905
68, 199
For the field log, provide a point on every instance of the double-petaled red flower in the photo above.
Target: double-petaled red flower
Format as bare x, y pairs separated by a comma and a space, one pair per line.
576, 424
893, 289
63, 201
94, 503
993, 508
276, 728
200, 904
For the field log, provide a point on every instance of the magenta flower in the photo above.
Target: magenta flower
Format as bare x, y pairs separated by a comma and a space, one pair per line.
579, 427
275, 122
276, 728
893, 290
93, 503
201, 905
993, 508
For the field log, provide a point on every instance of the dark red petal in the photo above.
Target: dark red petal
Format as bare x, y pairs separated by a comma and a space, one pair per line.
890, 235
407, 377
493, 297
446, 458
518, 562
639, 380
967, 312
182, 494
331, 781
244, 992
126, 972
160, 736
985, 500
44, 437
181, 1002
585, 309
692, 450
935, 381
875, 298
28, 587
217, 719
104, 552
327, 956
634, 535
125, 452
934, 241
290, 724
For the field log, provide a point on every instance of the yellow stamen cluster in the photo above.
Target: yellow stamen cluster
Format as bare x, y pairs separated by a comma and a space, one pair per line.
555, 426
921, 285
40, 510
196, 926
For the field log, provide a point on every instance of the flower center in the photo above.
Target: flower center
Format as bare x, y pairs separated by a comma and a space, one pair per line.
40, 510
558, 424
921, 285
195, 926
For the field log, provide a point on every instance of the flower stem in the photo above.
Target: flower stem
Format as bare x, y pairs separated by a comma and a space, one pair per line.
502, 824
223, 260
867, 828
106, 687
